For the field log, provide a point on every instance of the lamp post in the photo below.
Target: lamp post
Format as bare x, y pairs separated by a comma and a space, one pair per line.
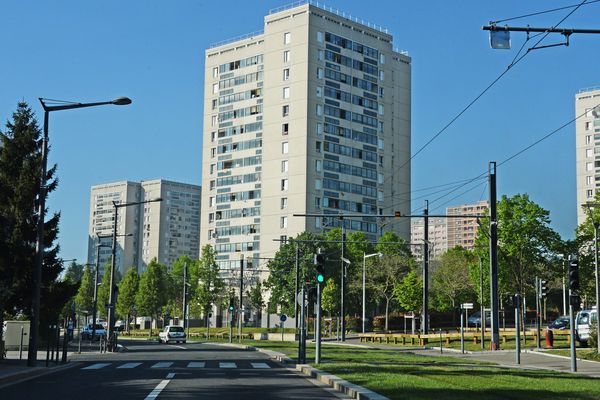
365, 256
39, 248
111, 292
596, 224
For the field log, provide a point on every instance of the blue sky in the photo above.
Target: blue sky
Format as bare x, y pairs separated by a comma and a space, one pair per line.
153, 52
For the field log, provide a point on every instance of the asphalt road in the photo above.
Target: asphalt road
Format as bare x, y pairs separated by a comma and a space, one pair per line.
176, 371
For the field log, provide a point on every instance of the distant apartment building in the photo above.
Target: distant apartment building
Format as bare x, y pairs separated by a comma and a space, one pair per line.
587, 143
311, 115
447, 233
163, 230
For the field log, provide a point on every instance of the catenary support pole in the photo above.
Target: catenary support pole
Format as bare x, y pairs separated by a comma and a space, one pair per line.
495, 312
425, 313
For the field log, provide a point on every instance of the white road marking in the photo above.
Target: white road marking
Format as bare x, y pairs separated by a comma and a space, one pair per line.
260, 365
97, 366
171, 375
154, 394
196, 364
227, 365
178, 347
165, 364
129, 365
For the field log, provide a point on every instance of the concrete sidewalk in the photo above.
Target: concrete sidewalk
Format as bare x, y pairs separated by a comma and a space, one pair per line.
13, 369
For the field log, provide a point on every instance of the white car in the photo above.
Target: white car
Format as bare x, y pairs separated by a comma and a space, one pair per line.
582, 324
172, 333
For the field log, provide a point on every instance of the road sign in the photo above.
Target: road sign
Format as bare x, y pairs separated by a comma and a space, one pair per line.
108, 305
283, 317
467, 306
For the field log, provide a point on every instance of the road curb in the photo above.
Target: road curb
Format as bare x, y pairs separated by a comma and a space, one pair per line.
34, 372
339, 384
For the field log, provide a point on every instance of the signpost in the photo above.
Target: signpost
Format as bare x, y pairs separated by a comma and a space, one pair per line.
282, 318
463, 307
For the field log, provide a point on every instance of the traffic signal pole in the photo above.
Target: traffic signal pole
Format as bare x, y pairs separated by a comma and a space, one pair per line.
343, 284
318, 326
495, 312
573, 300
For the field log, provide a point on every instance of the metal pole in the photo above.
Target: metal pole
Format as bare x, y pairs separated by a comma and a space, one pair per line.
564, 295
572, 324
39, 253
111, 287
21, 344
184, 293
596, 224
241, 308
318, 327
425, 314
95, 292
481, 306
518, 328
538, 311
302, 342
343, 283
297, 287
364, 291
495, 315
462, 331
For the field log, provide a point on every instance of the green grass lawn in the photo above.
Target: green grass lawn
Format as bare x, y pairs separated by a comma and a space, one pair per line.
403, 375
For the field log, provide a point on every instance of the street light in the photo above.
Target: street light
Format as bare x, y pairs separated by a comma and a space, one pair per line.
111, 294
596, 224
365, 256
39, 248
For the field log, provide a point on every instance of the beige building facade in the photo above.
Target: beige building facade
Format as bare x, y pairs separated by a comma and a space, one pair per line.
587, 143
311, 115
163, 230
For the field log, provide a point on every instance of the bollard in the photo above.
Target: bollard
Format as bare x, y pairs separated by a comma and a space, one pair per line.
549, 339
441, 350
21, 344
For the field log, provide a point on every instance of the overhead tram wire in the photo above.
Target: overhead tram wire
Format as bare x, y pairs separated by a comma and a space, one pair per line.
545, 12
493, 83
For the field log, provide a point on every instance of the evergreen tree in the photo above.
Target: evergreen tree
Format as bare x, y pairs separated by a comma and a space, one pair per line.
20, 175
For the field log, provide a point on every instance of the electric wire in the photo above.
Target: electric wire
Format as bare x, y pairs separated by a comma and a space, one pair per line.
543, 12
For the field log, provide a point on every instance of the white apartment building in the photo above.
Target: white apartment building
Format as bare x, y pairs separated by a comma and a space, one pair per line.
438, 237
587, 143
311, 115
163, 230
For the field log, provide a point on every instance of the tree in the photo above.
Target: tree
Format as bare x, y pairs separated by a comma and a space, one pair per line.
585, 246
153, 293
210, 286
330, 298
450, 282
104, 291
525, 241
74, 273
255, 299
409, 292
175, 306
84, 299
128, 289
20, 176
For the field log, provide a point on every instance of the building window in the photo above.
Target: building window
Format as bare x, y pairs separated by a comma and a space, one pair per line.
319, 128
381, 58
212, 185
282, 240
380, 144
589, 166
588, 139
320, 55
318, 165
588, 180
589, 153
381, 75
286, 56
318, 146
588, 126
589, 193
214, 104
287, 38
283, 222
284, 203
284, 148
380, 109
319, 73
213, 120
318, 184
284, 166
211, 201
319, 110
211, 217
317, 202
286, 110
215, 88
319, 91
213, 152
213, 136
380, 178
284, 184
286, 74
215, 72
319, 37
212, 168
285, 128
286, 92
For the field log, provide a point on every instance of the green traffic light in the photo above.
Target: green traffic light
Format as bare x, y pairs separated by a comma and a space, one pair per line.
320, 278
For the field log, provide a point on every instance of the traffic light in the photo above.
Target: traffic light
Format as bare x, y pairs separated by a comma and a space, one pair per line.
319, 262
543, 288
231, 306
573, 275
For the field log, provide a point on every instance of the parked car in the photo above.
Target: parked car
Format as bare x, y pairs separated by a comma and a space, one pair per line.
172, 333
582, 324
475, 318
560, 323
86, 331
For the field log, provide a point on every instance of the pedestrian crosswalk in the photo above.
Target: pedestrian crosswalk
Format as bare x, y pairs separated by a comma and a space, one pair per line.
180, 364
